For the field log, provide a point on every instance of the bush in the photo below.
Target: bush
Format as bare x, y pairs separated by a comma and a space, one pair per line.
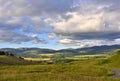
2, 53
21, 58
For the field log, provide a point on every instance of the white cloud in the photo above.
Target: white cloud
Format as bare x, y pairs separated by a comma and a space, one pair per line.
65, 41
79, 23
83, 23
52, 35
72, 21
97, 22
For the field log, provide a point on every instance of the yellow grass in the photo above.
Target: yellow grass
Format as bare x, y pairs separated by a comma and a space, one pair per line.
37, 59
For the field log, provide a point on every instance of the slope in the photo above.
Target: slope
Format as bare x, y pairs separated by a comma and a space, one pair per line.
114, 61
11, 60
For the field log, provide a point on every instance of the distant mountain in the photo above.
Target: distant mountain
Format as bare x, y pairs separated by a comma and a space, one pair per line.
36, 52
99, 49
93, 50
28, 52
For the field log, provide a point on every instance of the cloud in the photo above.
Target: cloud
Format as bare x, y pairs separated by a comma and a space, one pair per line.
22, 19
35, 8
52, 35
65, 41
14, 37
73, 22
94, 20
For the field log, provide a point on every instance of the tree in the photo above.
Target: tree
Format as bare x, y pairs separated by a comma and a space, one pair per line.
2, 53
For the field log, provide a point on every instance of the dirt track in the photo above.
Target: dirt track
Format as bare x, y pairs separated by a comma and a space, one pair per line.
116, 71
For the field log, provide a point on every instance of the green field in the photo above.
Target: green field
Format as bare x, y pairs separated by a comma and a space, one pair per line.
83, 70
48, 57
77, 70
37, 59
91, 56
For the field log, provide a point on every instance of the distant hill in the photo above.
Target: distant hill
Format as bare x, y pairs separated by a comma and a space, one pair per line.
37, 52
99, 49
28, 52
6, 59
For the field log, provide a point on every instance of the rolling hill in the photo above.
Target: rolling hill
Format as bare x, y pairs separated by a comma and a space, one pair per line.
37, 52
9, 59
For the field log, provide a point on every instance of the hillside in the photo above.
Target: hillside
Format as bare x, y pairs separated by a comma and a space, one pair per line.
11, 60
27, 52
114, 61
38, 52
79, 70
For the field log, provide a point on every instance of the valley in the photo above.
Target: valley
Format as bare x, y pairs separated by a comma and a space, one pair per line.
89, 67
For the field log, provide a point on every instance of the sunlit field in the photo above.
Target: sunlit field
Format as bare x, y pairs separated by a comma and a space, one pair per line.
37, 59
82, 70
92, 69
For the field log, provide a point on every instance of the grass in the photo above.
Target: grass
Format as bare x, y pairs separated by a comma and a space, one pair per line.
79, 70
37, 59
95, 56
82, 70
11, 60
114, 61
49, 55
92, 56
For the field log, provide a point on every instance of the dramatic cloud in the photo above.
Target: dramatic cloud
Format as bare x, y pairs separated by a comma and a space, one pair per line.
19, 20
73, 22
35, 8
94, 20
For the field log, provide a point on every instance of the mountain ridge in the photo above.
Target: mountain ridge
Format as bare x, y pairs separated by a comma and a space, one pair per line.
35, 52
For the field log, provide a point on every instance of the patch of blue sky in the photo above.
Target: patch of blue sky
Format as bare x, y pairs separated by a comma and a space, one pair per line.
25, 19
51, 45
42, 19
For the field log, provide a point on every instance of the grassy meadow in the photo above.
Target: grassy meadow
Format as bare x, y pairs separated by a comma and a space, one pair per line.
82, 70
77, 70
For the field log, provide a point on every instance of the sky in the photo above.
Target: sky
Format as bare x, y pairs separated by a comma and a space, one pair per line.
59, 24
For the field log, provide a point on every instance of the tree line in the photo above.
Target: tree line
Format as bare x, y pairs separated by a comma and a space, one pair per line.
6, 53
